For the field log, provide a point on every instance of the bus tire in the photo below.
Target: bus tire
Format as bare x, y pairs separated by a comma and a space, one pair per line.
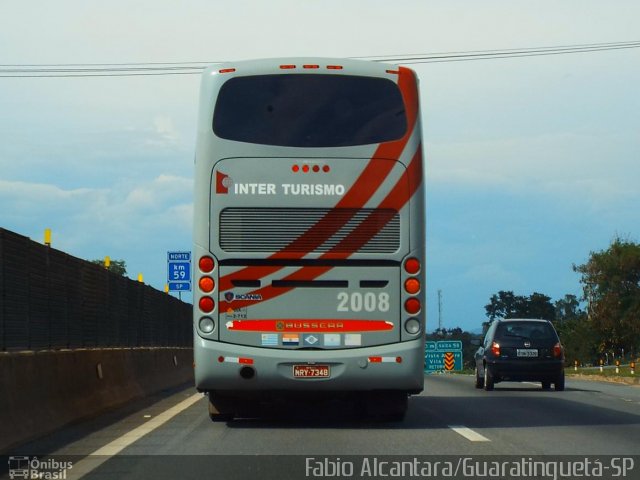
221, 408
387, 406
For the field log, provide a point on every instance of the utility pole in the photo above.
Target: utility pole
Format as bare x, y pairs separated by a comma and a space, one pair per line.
440, 310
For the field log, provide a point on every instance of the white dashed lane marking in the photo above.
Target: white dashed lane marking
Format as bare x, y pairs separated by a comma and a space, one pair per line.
469, 434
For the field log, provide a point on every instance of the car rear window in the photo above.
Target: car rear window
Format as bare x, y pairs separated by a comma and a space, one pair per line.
310, 110
530, 330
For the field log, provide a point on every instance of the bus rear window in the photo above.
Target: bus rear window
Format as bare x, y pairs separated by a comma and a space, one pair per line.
309, 110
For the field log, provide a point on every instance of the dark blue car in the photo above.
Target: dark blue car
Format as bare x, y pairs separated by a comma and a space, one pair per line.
520, 350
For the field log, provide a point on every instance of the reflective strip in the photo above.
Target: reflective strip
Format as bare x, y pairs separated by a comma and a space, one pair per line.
383, 360
245, 361
310, 325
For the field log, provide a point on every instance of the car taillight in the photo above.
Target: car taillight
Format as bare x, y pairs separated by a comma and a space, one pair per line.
495, 349
557, 350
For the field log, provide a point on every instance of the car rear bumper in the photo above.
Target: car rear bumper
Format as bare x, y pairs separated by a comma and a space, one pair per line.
529, 370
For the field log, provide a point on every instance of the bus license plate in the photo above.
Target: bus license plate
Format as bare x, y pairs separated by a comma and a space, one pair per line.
310, 371
527, 352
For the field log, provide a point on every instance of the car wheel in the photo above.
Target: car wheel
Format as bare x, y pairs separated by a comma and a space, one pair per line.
479, 379
559, 384
488, 378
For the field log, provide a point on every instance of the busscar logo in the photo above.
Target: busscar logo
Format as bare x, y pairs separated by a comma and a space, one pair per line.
223, 182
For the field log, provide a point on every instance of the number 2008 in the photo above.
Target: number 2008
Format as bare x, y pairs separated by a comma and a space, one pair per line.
357, 302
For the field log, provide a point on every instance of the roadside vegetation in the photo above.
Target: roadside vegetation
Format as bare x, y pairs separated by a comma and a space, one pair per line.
600, 327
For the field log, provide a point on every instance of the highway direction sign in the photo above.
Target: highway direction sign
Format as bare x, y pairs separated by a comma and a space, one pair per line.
435, 361
179, 271
443, 355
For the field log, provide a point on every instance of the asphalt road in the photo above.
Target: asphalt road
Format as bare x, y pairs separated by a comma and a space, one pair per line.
450, 418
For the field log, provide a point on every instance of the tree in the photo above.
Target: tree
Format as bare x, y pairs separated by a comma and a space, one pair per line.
579, 339
503, 305
508, 305
118, 267
567, 309
539, 305
611, 285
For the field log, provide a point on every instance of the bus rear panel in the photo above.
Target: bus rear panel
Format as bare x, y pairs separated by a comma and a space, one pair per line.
308, 233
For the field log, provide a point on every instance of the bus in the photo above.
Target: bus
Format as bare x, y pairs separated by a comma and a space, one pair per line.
309, 235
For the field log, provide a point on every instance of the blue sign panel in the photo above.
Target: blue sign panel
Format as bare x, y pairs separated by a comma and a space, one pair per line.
179, 271
448, 345
436, 361
443, 355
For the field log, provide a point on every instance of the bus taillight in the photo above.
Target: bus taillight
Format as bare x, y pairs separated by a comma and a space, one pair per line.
206, 284
206, 264
207, 304
412, 286
412, 266
412, 305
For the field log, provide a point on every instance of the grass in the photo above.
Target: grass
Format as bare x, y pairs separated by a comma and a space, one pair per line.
609, 372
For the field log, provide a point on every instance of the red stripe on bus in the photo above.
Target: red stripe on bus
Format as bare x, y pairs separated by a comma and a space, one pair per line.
396, 199
365, 186
303, 325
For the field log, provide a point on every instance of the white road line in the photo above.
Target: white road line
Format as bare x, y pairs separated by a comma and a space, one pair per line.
97, 458
468, 433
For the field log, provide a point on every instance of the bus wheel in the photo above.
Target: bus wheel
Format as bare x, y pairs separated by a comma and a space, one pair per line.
387, 406
221, 408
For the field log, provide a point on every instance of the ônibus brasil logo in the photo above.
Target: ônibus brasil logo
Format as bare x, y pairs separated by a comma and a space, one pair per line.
223, 182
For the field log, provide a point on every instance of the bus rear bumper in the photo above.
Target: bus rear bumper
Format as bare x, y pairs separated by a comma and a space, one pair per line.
226, 367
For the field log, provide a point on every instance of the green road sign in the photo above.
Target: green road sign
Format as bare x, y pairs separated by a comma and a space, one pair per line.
436, 361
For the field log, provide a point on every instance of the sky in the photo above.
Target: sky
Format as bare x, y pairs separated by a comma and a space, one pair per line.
532, 163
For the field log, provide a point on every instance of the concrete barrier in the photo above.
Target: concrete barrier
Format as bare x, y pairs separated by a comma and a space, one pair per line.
45, 390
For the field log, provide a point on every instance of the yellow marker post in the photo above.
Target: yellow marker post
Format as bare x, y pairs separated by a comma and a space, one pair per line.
617, 366
47, 237
140, 278
107, 261
166, 288
633, 368
601, 362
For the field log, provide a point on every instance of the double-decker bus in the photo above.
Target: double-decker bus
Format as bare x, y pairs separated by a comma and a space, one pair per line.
309, 235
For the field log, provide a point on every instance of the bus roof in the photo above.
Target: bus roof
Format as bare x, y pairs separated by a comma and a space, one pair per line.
317, 65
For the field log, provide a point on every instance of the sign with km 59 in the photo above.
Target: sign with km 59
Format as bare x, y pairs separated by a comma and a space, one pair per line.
179, 271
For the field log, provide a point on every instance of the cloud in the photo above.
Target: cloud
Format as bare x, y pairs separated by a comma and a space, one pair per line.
165, 132
131, 217
574, 167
